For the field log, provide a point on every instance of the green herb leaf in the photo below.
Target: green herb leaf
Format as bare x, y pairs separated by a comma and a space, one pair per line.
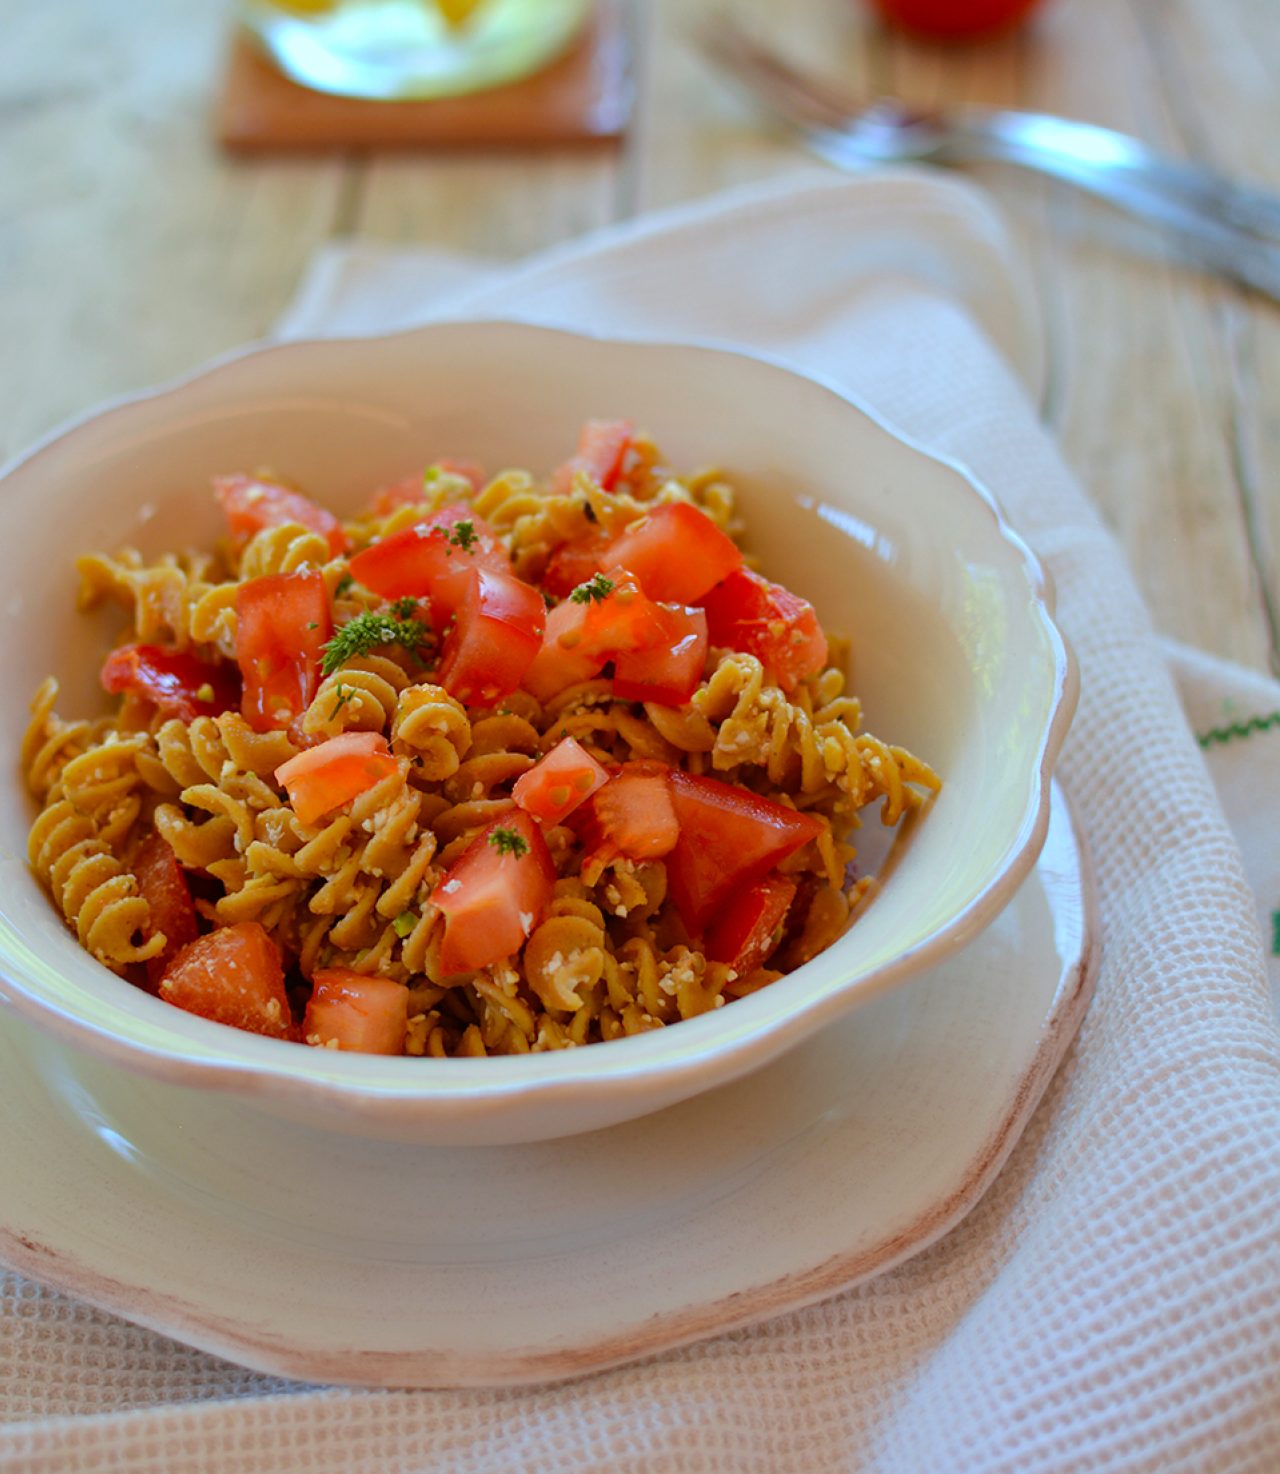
508, 842
345, 693
405, 608
404, 923
462, 535
595, 590
343, 584
366, 632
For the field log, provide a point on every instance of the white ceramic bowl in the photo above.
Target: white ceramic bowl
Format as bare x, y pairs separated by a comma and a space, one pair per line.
956, 656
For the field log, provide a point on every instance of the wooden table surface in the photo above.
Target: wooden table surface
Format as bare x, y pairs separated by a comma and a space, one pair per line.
130, 250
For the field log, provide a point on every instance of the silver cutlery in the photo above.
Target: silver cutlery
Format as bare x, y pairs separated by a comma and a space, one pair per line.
1222, 225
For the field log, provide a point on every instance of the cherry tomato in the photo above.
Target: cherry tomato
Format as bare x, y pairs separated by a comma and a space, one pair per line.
432, 560
234, 976
252, 503
749, 927
282, 625
632, 815
497, 633
367, 1015
164, 887
494, 894
669, 672
177, 683
954, 20
729, 839
557, 783
334, 772
677, 552
602, 448
747, 612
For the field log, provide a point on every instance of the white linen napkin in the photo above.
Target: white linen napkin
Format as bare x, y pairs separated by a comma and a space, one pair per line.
1113, 1304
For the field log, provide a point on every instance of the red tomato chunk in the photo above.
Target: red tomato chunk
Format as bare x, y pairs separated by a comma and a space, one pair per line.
750, 926
602, 449
493, 897
177, 683
163, 884
497, 634
582, 635
729, 839
332, 773
677, 552
282, 625
566, 777
367, 1015
431, 560
233, 976
575, 563
747, 612
669, 672
252, 504
562, 659
632, 815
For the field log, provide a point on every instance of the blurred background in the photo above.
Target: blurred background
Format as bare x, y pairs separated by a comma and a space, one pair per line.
133, 248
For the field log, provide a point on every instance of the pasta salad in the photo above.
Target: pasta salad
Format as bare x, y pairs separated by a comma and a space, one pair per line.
503, 764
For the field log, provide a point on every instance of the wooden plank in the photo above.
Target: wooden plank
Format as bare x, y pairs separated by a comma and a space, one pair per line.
1218, 65
1144, 384
697, 134
501, 206
129, 250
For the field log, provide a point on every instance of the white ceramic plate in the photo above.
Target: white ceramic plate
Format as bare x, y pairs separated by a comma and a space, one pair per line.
323, 1256
956, 657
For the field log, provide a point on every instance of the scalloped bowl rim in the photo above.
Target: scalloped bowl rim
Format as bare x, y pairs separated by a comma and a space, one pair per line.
698, 1054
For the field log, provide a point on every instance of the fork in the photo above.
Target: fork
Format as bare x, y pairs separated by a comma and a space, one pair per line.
1224, 226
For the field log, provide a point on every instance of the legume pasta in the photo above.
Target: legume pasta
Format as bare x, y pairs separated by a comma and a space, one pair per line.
202, 766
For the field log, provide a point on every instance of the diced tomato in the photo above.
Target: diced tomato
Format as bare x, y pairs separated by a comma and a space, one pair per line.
574, 563
750, 926
557, 783
667, 673
368, 1015
252, 503
562, 659
334, 772
747, 612
632, 815
431, 560
234, 976
497, 633
177, 683
583, 634
625, 619
282, 625
677, 552
406, 493
471, 471
164, 888
602, 447
493, 898
729, 839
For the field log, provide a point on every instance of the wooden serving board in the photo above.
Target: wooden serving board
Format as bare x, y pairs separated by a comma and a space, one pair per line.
584, 97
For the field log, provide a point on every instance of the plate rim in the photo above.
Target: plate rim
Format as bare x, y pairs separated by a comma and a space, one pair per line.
172, 1315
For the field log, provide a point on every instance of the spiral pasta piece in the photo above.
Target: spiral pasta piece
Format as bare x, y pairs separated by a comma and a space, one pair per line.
95, 892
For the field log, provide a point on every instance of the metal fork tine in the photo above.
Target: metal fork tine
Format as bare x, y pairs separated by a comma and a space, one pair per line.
793, 96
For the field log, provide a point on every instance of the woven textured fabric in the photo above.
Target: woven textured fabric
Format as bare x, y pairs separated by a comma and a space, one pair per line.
1113, 1304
